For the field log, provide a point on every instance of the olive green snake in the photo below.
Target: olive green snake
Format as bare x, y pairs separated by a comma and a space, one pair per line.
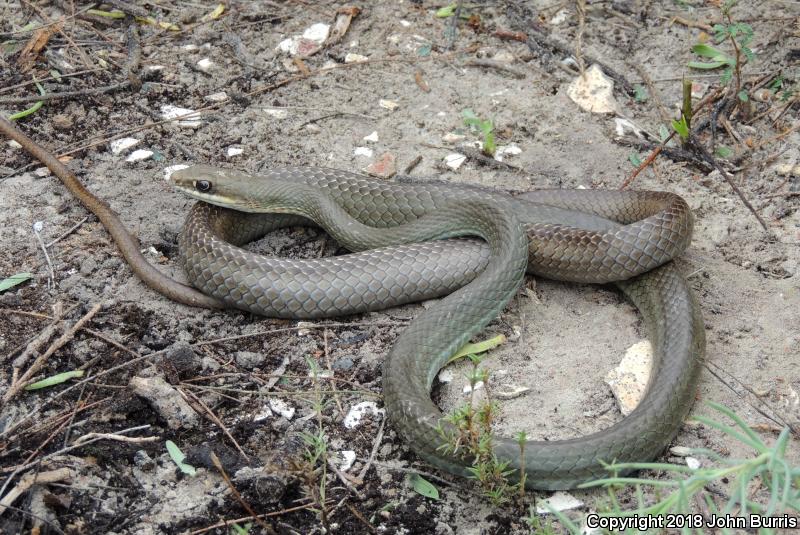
626, 237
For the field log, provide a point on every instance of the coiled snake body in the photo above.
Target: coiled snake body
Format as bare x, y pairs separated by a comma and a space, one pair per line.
575, 235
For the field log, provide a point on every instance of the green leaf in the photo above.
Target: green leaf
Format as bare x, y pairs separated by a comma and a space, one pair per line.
55, 379
423, 486
663, 132
236, 529
681, 128
177, 457
640, 93
710, 52
635, 159
480, 347
705, 65
424, 51
32, 109
13, 280
723, 151
447, 11
743, 96
727, 75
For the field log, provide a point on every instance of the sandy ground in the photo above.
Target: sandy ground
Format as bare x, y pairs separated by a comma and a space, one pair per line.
564, 337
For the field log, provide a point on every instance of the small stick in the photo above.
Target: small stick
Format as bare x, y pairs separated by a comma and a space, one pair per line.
36, 229
218, 422
15, 388
29, 480
269, 529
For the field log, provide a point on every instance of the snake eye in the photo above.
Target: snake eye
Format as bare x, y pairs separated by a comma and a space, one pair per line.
202, 186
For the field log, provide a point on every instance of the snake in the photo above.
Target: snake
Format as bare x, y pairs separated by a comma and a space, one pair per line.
624, 237
471, 247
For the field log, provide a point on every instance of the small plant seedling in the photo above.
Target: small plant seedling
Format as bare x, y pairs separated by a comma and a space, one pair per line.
423, 487
13, 280
485, 126
56, 379
177, 457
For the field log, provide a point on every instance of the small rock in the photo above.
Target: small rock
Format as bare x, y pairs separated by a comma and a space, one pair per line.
348, 457
390, 105
506, 150
168, 111
405, 23
62, 121
763, 95
277, 113
88, 266
313, 129
205, 64
166, 401
560, 501
452, 137
372, 138
357, 412
139, 155
560, 17
446, 376
41, 172
282, 408
455, 160
234, 151
14, 145
350, 57
680, 451
119, 145
504, 56
363, 151
343, 364
308, 43
629, 380
249, 359
693, 463
221, 96
384, 167
593, 92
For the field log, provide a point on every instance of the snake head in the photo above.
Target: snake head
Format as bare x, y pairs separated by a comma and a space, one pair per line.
215, 185
245, 192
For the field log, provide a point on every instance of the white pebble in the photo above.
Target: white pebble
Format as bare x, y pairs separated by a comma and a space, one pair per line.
234, 151
390, 105
119, 145
363, 151
168, 111
560, 501
222, 96
348, 458
205, 64
372, 138
358, 411
282, 408
351, 57
278, 113
454, 161
138, 155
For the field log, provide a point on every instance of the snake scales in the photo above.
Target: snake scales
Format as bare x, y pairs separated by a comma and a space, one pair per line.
576, 235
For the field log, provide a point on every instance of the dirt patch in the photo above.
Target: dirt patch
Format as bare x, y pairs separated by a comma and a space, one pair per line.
249, 378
